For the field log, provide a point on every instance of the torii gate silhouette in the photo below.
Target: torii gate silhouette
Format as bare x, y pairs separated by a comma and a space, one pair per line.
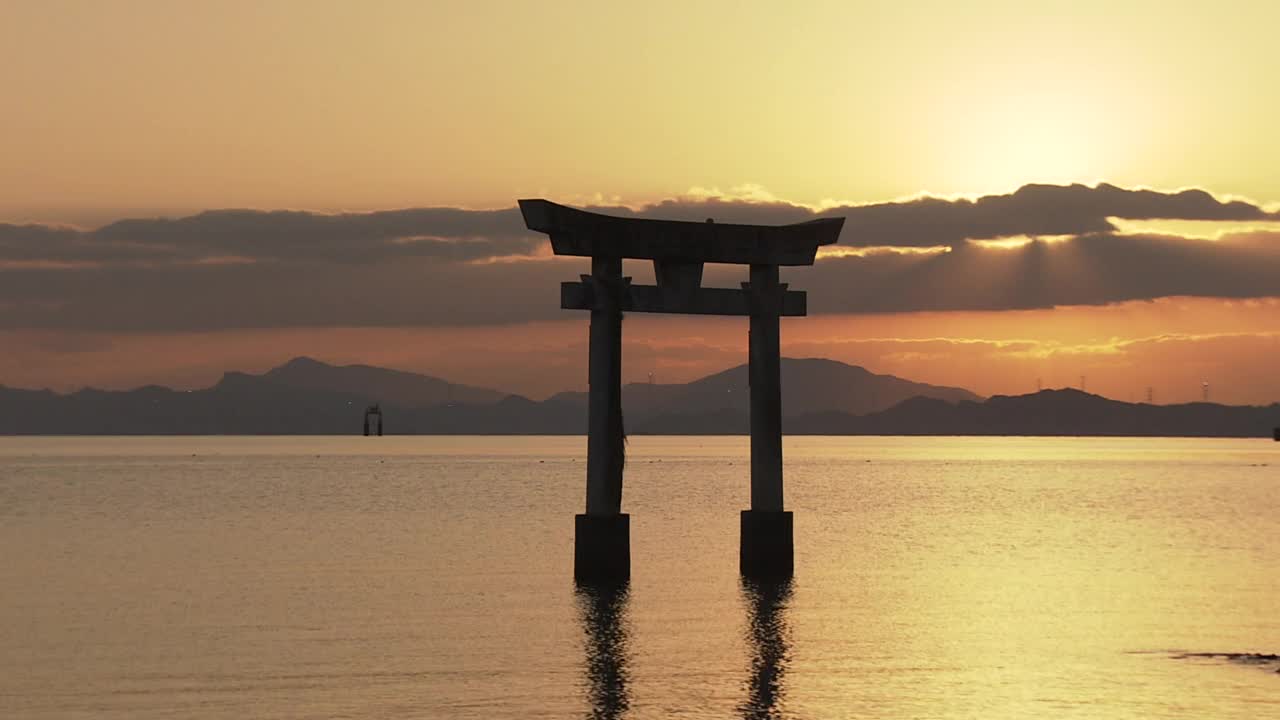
602, 541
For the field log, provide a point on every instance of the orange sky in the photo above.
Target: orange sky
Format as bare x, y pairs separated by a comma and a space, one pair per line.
145, 108
1230, 344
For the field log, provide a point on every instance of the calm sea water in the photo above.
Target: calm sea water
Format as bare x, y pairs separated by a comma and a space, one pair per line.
430, 577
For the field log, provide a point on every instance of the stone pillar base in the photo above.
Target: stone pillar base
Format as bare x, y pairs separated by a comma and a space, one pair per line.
602, 547
766, 550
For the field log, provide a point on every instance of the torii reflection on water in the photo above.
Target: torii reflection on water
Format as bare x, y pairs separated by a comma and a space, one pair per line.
603, 610
769, 639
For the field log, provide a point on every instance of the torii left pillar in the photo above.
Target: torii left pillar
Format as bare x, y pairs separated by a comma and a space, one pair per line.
766, 544
602, 535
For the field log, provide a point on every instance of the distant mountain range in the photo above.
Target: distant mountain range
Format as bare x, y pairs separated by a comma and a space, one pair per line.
820, 397
808, 386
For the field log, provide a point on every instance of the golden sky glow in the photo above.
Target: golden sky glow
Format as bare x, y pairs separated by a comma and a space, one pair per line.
146, 107
328, 105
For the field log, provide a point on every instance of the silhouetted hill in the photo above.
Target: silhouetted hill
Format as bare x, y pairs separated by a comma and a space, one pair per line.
1048, 412
408, 389
809, 385
302, 397
824, 397
238, 405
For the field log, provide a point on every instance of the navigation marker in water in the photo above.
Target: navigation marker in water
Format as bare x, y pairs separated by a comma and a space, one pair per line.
372, 412
678, 251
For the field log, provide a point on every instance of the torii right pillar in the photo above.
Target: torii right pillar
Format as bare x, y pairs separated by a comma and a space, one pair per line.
766, 548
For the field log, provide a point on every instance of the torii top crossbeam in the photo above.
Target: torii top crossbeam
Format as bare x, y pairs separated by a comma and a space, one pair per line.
578, 232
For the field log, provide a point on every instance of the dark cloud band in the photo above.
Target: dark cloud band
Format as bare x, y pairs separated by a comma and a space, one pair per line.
423, 267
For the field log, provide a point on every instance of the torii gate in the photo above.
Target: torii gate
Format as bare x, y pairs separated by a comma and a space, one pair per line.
602, 541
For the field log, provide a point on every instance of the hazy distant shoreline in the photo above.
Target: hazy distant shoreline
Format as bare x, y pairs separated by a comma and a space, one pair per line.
306, 397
